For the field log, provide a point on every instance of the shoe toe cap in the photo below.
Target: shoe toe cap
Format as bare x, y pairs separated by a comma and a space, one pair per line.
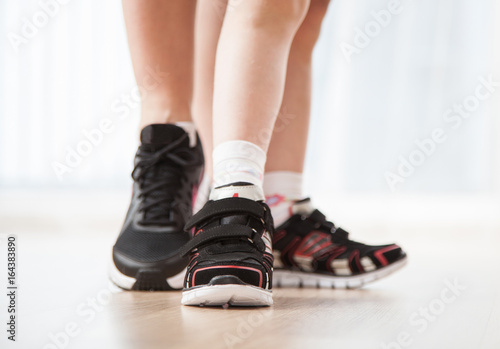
388, 254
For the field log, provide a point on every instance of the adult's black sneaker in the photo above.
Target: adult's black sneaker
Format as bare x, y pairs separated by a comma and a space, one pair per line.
231, 253
167, 169
312, 252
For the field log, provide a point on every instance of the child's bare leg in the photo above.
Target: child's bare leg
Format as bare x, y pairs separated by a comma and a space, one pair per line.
289, 141
160, 35
208, 26
250, 69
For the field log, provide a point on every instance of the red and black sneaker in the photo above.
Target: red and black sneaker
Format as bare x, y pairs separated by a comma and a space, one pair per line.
231, 252
311, 251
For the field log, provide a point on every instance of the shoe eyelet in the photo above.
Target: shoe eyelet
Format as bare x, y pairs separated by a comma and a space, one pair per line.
303, 218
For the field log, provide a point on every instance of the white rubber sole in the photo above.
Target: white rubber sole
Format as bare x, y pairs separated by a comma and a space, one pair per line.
288, 278
127, 282
220, 295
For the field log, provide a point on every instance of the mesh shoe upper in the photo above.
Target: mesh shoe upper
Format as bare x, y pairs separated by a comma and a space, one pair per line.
166, 170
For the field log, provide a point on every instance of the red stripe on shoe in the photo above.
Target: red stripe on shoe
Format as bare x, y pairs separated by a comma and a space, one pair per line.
228, 267
379, 254
279, 235
335, 253
355, 255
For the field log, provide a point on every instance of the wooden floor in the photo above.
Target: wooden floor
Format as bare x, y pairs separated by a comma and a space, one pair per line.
447, 297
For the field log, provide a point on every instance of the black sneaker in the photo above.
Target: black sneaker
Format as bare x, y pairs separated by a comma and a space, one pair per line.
231, 253
168, 165
311, 251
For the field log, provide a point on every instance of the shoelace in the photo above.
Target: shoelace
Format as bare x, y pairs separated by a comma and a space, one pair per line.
161, 173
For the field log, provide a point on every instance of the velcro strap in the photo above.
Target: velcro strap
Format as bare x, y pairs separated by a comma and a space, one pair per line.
223, 232
225, 207
340, 235
317, 216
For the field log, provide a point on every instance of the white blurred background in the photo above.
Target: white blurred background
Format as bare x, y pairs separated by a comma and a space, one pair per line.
369, 109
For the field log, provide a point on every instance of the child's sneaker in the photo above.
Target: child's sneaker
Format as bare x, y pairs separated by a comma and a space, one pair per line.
231, 254
311, 251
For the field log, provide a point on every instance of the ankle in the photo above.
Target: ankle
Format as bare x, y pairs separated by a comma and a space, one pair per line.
238, 161
159, 113
282, 189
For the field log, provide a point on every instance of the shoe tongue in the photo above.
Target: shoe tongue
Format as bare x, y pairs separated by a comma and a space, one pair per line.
156, 136
303, 207
239, 189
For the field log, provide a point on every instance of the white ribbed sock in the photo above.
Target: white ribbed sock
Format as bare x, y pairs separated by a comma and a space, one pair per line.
238, 161
282, 190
